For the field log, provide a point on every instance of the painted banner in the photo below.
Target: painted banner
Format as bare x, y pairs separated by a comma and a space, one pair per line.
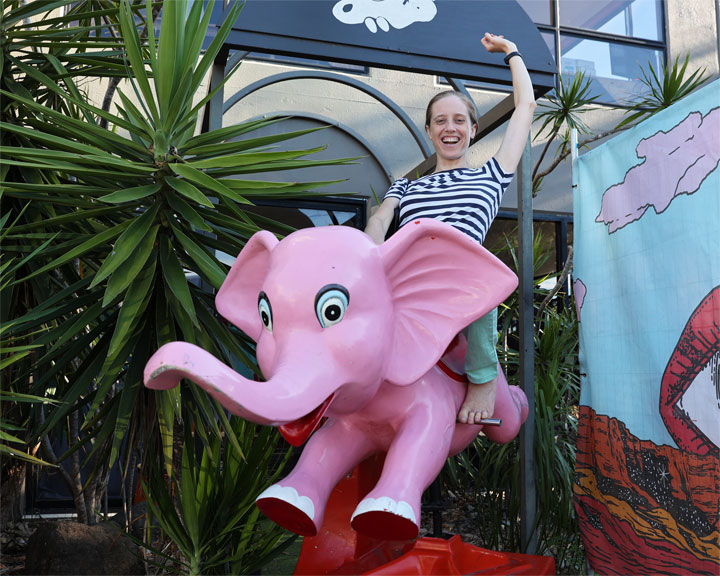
647, 289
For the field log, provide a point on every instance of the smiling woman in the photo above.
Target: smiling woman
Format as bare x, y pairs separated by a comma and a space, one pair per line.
466, 198
450, 122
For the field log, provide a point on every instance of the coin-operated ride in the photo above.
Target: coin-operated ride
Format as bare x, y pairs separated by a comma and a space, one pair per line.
359, 347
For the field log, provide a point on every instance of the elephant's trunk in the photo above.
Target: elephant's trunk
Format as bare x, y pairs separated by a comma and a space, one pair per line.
280, 400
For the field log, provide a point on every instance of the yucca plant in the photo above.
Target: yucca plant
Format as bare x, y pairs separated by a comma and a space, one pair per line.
11, 446
59, 42
558, 114
663, 91
209, 512
557, 395
129, 214
13, 419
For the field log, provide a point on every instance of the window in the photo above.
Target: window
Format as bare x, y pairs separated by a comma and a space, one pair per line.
555, 231
633, 18
614, 67
309, 212
283, 216
611, 40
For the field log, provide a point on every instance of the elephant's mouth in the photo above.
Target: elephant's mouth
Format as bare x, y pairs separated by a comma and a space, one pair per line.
298, 431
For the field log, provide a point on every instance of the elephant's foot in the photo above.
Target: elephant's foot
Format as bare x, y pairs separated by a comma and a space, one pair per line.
284, 506
385, 519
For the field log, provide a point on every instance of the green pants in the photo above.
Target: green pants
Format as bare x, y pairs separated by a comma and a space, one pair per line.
481, 357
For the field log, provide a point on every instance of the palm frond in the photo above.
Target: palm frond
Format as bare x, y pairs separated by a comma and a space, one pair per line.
663, 90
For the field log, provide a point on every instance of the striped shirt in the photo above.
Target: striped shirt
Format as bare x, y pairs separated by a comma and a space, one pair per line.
466, 198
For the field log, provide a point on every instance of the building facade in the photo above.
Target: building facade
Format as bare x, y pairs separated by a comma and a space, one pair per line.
610, 40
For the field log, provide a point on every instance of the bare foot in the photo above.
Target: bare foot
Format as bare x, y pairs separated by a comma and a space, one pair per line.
479, 402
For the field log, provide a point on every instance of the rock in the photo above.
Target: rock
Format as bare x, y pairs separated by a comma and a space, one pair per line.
66, 547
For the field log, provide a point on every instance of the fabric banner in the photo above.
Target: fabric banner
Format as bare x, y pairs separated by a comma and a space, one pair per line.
647, 288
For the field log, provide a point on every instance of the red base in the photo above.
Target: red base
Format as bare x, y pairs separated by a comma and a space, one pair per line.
287, 516
448, 557
338, 549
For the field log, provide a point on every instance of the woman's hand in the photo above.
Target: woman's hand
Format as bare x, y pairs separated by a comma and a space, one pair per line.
495, 43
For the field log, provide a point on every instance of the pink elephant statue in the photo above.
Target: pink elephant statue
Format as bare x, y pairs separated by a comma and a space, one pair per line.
355, 332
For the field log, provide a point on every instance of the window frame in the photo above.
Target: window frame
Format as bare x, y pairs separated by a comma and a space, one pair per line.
557, 31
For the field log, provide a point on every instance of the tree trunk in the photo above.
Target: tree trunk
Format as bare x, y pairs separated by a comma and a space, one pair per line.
76, 486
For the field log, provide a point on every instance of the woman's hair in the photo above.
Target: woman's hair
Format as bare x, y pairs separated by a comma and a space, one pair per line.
469, 104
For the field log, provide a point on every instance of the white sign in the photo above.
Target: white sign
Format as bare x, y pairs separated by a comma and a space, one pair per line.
384, 14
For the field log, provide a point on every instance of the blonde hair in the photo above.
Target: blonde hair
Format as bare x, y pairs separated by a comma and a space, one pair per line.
469, 104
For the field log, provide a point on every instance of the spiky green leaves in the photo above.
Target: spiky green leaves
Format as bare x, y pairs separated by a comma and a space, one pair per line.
663, 91
110, 234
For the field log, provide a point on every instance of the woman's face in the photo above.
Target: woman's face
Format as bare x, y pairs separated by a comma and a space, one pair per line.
450, 129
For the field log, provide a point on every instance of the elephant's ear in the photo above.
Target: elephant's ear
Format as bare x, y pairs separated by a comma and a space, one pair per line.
237, 299
441, 281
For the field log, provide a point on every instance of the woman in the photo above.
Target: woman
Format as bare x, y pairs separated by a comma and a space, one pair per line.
467, 198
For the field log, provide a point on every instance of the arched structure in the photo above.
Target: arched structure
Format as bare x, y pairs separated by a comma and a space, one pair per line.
417, 135
368, 169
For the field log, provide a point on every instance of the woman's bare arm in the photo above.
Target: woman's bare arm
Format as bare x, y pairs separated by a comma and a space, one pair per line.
518, 129
380, 221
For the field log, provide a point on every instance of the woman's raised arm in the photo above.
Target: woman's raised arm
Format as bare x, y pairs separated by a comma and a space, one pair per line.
516, 134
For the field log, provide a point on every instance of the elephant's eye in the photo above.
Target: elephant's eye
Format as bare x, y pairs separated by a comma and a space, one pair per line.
330, 304
265, 311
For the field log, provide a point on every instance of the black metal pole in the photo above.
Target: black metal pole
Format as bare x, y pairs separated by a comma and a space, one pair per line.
527, 350
436, 506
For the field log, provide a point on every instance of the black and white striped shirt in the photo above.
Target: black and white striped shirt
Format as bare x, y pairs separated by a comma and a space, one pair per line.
466, 198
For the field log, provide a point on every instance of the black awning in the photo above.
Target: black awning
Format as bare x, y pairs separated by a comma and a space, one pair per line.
439, 37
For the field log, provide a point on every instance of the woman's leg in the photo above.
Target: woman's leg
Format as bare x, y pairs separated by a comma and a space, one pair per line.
481, 368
